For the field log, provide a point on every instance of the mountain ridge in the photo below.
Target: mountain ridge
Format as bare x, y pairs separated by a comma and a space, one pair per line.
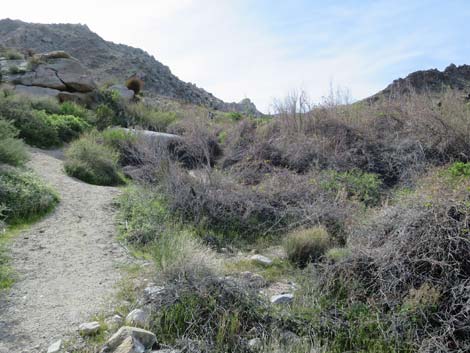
110, 61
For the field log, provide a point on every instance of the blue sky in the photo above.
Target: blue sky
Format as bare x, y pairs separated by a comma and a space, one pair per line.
263, 49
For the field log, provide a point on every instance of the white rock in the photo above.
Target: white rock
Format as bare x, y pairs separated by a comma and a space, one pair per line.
55, 347
114, 320
147, 338
152, 292
282, 298
89, 328
130, 345
262, 260
138, 317
255, 343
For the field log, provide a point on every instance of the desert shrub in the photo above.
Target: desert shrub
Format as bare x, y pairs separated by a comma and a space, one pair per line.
71, 108
216, 313
135, 84
68, 127
92, 162
13, 70
12, 54
122, 141
23, 195
280, 203
365, 187
306, 245
149, 117
12, 150
105, 117
410, 259
34, 125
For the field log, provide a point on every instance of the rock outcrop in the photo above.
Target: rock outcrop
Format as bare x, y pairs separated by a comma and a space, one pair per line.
111, 62
54, 74
428, 81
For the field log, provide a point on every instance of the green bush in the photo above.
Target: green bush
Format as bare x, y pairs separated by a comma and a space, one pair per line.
92, 162
68, 127
459, 169
362, 186
122, 141
24, 195
12, 150
306, 245
105, 117
144, 214
71, 108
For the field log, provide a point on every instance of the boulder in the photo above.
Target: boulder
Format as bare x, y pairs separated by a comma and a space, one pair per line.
37, 91
114, 320
282, 298
89, 328
58, 54
255, 344
72, 74
130, 345
124, 92
261, 260
55, 347
42, 76
138, 317
147, 338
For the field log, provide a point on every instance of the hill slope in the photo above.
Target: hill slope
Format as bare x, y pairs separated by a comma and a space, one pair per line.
429, 81
109, 61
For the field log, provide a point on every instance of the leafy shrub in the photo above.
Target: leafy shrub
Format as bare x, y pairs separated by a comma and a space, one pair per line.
24, 195
307, 245
365, 187
12, 150
92, 162
459, 169
14, 70
68, 127
71, 108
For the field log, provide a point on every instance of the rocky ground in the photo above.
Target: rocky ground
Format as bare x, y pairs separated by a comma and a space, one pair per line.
67, 264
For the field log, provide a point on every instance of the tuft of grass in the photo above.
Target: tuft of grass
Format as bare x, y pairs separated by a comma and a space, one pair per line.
307, 245
92, 162
337, 254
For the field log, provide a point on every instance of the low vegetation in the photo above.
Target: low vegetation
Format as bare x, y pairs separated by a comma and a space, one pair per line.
93, 162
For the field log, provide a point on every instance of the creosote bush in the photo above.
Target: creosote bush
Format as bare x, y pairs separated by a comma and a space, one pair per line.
307, 245
92, 162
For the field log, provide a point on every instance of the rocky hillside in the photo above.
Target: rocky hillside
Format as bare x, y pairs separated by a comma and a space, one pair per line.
110, 62
429, 81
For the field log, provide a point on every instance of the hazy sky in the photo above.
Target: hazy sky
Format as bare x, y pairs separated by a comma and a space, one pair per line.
263, 49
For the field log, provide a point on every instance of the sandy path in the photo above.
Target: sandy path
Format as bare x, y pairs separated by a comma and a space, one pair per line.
67, 263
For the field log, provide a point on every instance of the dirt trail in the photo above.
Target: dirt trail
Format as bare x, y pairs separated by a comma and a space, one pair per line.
67, 264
